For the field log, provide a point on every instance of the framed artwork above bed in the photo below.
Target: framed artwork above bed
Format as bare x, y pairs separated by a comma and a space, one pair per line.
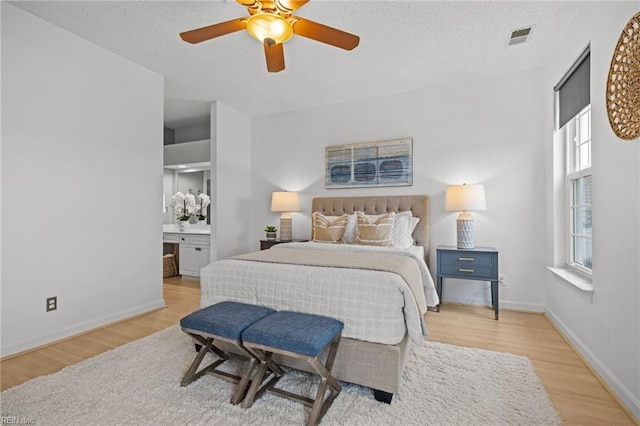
369, 164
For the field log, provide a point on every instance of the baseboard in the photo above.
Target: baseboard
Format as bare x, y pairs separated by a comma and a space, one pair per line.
523, 307
31, 344
504, 304
619, 390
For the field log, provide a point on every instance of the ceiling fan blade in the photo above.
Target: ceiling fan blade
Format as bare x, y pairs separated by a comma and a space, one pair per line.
325, 34
275, 56
213, 31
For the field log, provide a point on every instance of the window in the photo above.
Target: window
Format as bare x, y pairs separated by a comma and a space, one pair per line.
579, 191
573, 118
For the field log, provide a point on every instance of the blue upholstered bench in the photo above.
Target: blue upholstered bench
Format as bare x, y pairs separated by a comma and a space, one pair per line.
301, 336
225, 321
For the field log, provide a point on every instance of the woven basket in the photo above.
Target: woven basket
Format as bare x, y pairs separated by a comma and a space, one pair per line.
169, 266
623, 83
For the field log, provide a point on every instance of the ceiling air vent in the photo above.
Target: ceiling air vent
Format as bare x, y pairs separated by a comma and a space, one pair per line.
519, 36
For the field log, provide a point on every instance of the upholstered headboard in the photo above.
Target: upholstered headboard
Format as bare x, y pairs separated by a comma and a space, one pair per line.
417, 204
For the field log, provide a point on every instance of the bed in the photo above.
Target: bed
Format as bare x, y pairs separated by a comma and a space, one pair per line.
382, 302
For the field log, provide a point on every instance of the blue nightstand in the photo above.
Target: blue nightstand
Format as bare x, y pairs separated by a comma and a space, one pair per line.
480, 263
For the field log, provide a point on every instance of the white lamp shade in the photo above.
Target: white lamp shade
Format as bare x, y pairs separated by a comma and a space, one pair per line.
285, 202
465, 198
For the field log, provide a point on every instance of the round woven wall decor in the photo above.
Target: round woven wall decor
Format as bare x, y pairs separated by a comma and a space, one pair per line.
623, 83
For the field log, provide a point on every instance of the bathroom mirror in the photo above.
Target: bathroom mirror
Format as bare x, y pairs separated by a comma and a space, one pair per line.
194, 178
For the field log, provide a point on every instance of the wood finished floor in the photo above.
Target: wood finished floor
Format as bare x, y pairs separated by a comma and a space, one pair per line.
576, 393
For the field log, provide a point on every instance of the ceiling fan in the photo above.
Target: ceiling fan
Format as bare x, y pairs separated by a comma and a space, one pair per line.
272, 23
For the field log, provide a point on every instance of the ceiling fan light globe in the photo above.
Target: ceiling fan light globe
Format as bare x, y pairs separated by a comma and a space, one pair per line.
263, 26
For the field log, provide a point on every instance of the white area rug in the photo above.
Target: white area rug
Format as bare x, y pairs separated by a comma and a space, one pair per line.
139, 384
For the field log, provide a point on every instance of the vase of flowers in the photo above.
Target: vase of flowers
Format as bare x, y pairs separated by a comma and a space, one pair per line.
184, 205
201, 208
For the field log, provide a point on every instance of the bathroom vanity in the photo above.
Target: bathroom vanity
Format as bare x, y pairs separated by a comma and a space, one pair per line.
193, 248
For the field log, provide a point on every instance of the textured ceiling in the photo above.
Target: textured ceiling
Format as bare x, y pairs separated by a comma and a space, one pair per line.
404, 45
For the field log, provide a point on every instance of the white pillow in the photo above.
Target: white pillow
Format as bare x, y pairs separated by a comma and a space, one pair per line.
400, 234
351, 231
414, 221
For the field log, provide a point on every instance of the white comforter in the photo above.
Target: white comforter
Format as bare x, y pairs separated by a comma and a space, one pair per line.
375, 306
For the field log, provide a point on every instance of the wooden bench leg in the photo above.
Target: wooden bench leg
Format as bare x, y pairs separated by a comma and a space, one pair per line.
206, 346
255, 390
243, 389
320, 404
245, 381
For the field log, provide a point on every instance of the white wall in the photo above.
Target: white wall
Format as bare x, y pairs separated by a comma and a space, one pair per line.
230, 182
169, 188
1, 174
193, 181
486, 131
187, 153
73, 113
192, 133
606, 326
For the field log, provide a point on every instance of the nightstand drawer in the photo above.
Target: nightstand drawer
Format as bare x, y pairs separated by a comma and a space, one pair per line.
466, 259
467, 270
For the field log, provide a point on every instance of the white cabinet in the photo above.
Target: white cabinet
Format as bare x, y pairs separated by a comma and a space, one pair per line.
171, 238
192, 258
194, 254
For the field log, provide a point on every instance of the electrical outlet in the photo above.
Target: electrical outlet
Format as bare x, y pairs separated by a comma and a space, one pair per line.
52, 303
502, 280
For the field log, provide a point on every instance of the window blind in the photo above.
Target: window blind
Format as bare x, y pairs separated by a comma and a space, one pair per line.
574, 89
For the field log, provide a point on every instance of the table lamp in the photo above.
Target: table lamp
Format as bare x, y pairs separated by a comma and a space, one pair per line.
465, 198
285, 202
